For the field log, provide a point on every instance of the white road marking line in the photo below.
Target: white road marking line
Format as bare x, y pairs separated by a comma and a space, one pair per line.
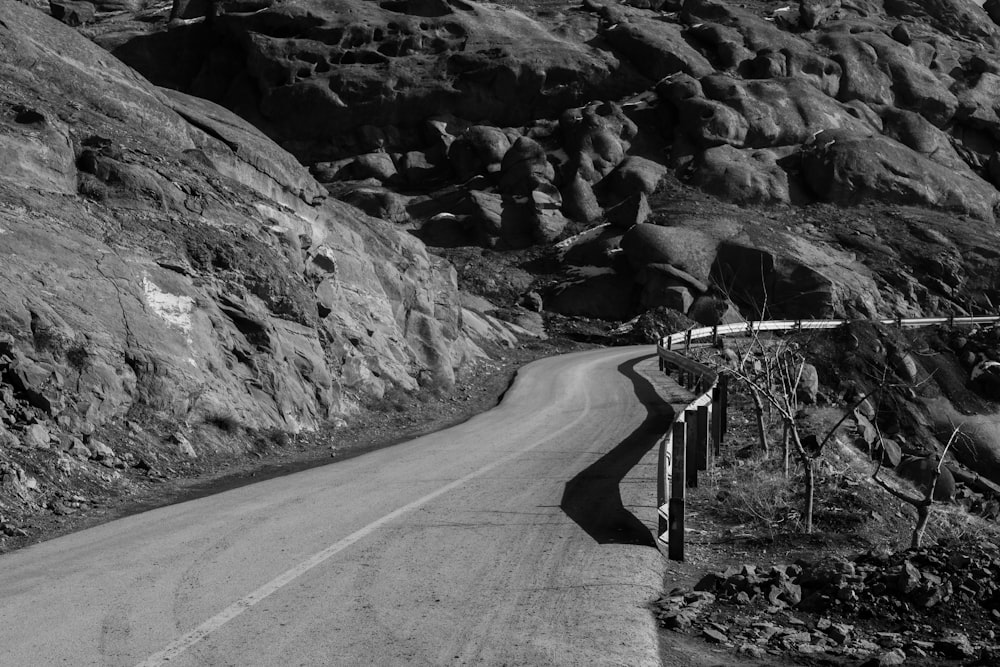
186, 641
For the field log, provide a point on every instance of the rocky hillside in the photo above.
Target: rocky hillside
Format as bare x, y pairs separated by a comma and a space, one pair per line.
812, 159
165, 263
241, 237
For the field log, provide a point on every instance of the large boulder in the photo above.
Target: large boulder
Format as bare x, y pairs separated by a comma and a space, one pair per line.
597, 247
919, 134
479, 149
959, 18
525, 167
690, 250
761, 280
579, 201
781, 111
879, 70
725, 42
72, 12
663, 285
921, 471
633, 210
378, 202
657, 49
636, 175
704, 122
846, 170
598, 293
977, 103
595, 138
712, 309
808, 386
746, 176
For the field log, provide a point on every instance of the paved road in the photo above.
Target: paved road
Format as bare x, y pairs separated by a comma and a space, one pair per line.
521, 537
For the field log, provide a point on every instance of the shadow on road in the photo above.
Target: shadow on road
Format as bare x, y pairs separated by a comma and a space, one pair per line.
593, 498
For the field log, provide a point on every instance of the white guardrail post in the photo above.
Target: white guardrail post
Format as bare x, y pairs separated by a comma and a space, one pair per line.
691, 451
695, 438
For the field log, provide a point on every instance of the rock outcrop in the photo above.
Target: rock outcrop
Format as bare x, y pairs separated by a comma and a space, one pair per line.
479, 125
161, 254
338, 78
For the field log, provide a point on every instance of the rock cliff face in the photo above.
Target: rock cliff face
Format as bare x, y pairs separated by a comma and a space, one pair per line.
159, 253
482, 125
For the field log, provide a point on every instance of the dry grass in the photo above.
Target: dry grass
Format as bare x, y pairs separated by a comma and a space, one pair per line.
850, 508
757, 495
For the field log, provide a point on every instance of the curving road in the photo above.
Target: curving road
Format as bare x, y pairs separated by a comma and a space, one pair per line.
521, 537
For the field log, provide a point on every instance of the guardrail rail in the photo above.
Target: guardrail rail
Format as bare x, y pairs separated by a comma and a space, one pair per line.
695, 437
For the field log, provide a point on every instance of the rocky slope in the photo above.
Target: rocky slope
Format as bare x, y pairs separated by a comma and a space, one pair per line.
483, 125
719, 160
165, 264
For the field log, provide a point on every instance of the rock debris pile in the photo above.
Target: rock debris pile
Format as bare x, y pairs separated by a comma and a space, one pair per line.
923, 604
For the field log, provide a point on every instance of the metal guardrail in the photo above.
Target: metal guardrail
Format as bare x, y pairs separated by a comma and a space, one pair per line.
697, 432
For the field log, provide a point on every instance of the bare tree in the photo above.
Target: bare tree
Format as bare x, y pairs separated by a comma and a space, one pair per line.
774, 378
922, 504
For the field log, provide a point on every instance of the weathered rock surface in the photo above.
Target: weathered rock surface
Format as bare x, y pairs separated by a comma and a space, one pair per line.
746, 176
159, 252
314, 74
472, 124
758, 276
848, 171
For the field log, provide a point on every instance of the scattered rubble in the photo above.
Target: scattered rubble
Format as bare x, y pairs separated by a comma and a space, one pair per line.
933, 603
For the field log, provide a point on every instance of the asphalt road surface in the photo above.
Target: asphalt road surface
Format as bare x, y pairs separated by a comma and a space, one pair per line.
521, 537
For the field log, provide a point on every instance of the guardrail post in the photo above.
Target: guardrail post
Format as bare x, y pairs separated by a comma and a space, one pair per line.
664, 469
675, 522
701, 438
717, 419
687, 340
724, 404
670, 342
659, 361
715, 334
691, 447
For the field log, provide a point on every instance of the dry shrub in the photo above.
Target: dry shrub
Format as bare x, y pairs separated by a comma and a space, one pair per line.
952, 521
223, 420
759, 496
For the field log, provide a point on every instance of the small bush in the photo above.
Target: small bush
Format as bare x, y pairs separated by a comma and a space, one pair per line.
274, 437
395, 399
78, 357
224, 421
91, 187
49, 339
762, 498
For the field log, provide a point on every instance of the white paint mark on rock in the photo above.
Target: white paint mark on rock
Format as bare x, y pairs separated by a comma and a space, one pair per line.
174, 309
